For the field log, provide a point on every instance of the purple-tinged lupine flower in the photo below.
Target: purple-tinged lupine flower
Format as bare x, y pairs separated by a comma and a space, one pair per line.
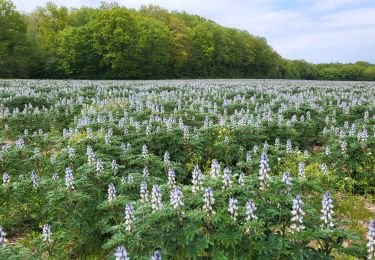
166, 157
286, 179
277, 143
34, 179
301, 171
250, 211
156, 198
197, 179
324, 168
2, 236
215, 169
146, 172
297, 215
114, 166
121, 253
241, 179
371, 240
343, 146
176, 197
288, 146
227, 182
144, 151
20, 143
248, 157
129, 216
208, 199
144, 192
327, 211
55, 176
47, 233
111, 192
233, 208
156, 255
171, 178
6, 178
263, 171
90, 155
69, 179
99, 165
328, 151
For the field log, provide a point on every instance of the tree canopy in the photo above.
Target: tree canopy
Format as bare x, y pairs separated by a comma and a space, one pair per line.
114, 42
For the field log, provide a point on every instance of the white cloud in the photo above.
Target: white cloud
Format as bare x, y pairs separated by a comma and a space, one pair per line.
326, 5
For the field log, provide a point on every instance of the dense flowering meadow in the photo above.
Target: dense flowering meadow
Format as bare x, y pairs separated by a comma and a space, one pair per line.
195, 169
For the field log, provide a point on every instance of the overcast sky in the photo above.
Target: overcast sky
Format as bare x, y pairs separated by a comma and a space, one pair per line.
314, 30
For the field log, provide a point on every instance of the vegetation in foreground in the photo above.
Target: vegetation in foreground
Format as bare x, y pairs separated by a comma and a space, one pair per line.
187, 169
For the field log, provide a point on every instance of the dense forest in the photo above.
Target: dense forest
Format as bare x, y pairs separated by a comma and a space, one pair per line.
113, 42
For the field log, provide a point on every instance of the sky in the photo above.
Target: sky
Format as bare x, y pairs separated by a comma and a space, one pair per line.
317, 31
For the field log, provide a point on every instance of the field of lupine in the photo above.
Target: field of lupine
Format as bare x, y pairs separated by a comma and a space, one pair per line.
195, 169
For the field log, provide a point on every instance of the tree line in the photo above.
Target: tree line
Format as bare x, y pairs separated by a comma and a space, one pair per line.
114, 42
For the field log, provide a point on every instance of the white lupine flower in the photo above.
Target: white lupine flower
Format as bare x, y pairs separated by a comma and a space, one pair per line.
215, 169
328, 151
301, 171
107, 137
144, 151
146, 172
34, 179
6, 178
144, 192
52, 159
37, 153
277, 143
227, 182
366, 116
111, 192
129, 216
130, 179
70, 151
2, 236
156, 255
121, 253
114, 166
286, 179
241, 179
176, 197
69, 179
20, 143
343, 146
370, 238
255, 148
197, 179
47, 233
248, 157
99, 165
250, 211
90, 155
166, 157
327, 211
263, 171
233, 208
156, 198
297, 215
171, 178
55, 176
208, 199
324, 168
288, 146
